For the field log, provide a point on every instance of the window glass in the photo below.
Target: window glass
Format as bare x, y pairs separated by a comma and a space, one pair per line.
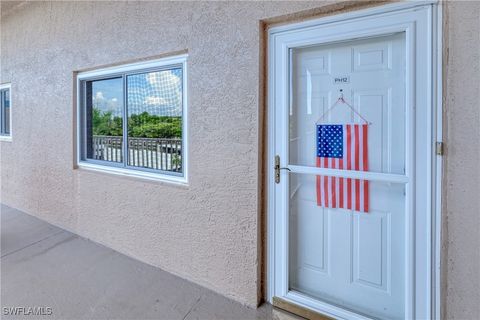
155, 120
131, 118
104, 120
5, 112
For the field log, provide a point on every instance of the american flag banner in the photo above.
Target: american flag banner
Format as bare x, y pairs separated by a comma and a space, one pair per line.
342, 146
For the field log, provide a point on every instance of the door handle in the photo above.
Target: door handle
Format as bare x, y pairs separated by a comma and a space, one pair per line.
277, 169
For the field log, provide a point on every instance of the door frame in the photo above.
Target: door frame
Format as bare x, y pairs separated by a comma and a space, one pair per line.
277, 281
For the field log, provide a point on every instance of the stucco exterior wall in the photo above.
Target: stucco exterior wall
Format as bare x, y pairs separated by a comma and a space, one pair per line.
461, 213
209, 231
206, 232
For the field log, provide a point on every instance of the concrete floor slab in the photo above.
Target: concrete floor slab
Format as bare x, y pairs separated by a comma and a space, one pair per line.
212, 306
20, 230
43, 265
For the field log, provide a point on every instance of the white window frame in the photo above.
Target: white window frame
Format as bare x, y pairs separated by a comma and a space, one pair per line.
7, 137
144, 66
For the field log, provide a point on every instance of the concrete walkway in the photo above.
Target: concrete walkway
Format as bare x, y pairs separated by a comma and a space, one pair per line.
45, 266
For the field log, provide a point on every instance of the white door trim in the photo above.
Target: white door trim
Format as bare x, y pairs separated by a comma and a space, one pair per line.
437, 75
427, 293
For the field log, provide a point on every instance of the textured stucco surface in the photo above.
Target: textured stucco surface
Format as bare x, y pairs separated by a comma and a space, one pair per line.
462, 169
207, 232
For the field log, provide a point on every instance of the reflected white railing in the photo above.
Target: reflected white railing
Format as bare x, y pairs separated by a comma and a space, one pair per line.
151, 153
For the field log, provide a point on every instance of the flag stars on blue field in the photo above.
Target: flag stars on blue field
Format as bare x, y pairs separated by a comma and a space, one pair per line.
330, 141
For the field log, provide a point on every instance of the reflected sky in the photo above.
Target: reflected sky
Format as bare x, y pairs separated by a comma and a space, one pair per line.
107, 95
158, 93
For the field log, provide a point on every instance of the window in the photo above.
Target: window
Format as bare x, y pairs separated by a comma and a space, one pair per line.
132, 119
5, 113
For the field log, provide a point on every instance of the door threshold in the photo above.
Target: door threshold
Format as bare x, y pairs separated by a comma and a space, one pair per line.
298, 310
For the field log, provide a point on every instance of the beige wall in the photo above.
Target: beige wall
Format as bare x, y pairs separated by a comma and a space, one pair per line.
461, 212
209, 231
206, 232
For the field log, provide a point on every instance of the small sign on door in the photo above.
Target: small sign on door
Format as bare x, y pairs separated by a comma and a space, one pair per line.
341, 80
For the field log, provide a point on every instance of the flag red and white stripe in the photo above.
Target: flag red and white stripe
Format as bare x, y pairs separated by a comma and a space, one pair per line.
347, 193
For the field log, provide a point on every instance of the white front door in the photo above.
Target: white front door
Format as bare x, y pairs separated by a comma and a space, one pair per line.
338, 253
351, 210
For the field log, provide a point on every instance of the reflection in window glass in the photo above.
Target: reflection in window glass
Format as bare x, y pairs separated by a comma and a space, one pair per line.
155, 120
104, 120
5, 112
132, 118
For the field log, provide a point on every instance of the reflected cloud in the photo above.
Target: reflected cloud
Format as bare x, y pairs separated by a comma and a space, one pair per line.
158, 93
106, 105
107, 95
155, 101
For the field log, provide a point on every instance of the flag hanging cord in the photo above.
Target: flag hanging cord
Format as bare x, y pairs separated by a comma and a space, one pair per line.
342, 100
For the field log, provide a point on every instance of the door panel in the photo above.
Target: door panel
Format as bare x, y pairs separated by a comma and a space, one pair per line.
374, 70
351, 259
